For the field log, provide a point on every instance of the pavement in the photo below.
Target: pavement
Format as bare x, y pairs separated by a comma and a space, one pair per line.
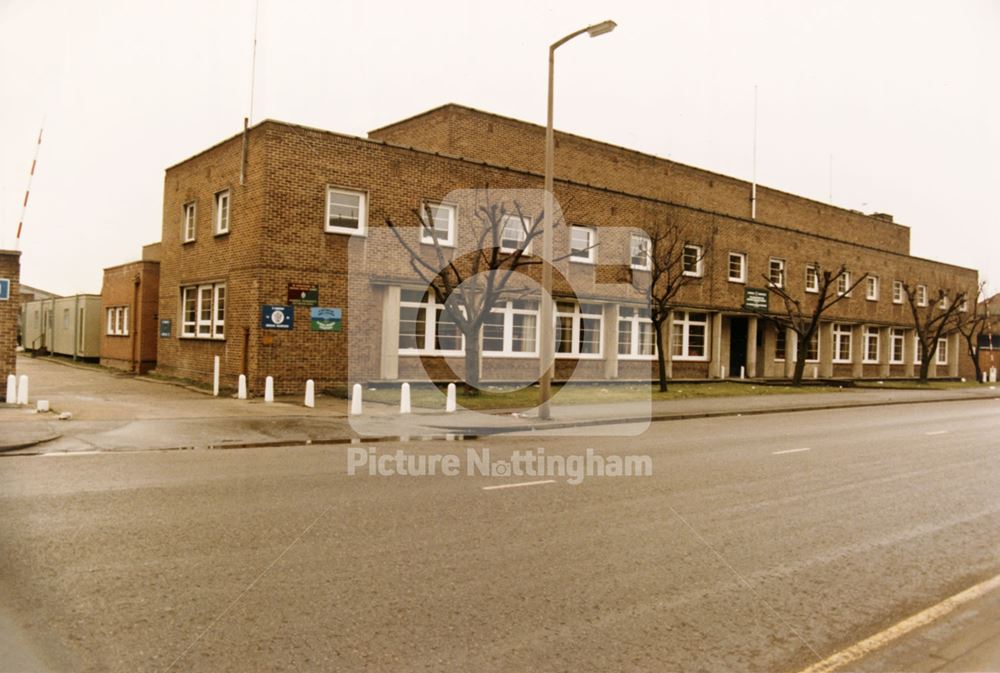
115, 412
758, 543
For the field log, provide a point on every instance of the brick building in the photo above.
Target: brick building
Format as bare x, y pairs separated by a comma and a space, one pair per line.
989, 342
10, 292
129, 299
301, 215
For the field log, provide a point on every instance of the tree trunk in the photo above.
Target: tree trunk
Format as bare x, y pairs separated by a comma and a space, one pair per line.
661, 358
925, 365
800, 367
472, 358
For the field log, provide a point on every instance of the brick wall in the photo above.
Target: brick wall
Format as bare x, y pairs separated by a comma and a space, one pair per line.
10, 268
136, 286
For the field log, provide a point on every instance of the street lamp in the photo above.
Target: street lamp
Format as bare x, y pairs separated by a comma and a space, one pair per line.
547, 351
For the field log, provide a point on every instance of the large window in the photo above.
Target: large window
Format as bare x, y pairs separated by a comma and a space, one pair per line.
511, 329
578, 330
118, 321
737, 267
842, 342
346, 212
776, 272
189, 222
439, 222
693, 256
222, 212
871, 345
812, 278
639, 252
898, 336
581, 244
203, 311
425, 326
514, 231
781, 347
690, 336
636, 338
942, 352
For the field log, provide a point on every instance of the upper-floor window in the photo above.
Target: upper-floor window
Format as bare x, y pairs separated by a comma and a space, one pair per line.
346, 212
812, 278
692, 259
639, 252
844, 283
578, 330
897, 292
921, 295
871, 288
188, 222
737, 267
842, 342
582, 242
636, 338
776, 272
942, 300
438, 223
203, 311
222, 212
513, 232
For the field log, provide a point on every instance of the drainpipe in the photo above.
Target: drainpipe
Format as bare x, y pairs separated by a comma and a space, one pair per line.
134, 320
76, 324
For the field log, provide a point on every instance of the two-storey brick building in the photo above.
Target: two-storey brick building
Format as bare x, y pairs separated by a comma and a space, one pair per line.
296, 216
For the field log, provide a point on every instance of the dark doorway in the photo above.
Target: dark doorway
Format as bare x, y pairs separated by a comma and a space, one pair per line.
737, 345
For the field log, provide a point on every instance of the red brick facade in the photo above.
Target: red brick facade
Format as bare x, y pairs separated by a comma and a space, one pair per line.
129, 310
10, 270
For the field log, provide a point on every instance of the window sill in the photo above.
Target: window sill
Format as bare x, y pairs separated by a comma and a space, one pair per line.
579, 356
637, 358
737, 280
580, 260
493, 355
221, 234
443, 244
343, 231
189, 241
433, 354
688, 358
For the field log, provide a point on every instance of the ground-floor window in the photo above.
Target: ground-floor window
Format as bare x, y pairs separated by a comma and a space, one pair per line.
117, 321
425, 327
942, 352
781, 347
636, 338
842, 342
578, 329
203, 311
871, 345
689, 336
898, 337
917, 355
512, 329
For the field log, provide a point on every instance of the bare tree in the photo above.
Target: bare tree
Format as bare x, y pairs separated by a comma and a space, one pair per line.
972, 325
803, 316
672, 262
932, 319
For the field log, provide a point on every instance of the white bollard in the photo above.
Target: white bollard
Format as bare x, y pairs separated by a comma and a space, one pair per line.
22, 389
993, 374
404, 399
310, 400
215, 378
450, 404
815, 372
722, 373
356, 400
743, 372
42, 406
269, 389
12, 388
241, 390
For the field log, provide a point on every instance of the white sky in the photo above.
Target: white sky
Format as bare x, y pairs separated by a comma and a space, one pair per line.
904, 94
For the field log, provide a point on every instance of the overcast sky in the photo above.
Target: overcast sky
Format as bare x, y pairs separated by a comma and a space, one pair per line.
903, 94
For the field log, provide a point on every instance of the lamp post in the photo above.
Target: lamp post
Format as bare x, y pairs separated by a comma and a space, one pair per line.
547, 350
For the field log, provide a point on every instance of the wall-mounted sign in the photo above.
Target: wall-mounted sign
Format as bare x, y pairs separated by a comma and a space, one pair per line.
755, 299
303, 294
277, 317
4, 289
166, 326
324, 319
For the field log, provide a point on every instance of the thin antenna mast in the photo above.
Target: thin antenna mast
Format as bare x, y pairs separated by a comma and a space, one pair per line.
831, 179
27, 192
253, 82
753, 183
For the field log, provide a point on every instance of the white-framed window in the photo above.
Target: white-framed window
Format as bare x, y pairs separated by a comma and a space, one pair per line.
582, 242
189, 221
111, 322
780, 344
579, 328
921, 295
639, 252
117, 321
843, 283
871, 344
898, 337
513, 232
425, 327
737, 267
942, 300
842, 342
871, 288
441, 224
691, 259
781, 347
689, 336
511, 329
897, 292
917, 356
222, 212
941, 357
812, 278
346, 212
776, 271
203, 311
636, 337
964, 306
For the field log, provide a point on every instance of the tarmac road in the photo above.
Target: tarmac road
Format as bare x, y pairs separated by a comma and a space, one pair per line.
760, 543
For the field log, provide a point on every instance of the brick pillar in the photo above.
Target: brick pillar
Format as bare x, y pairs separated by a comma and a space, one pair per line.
909, 352
667, 345
715, 367
10, 275
752, 347
389, 358
611, 341
858, 351
791, 352
954, 354
826, 349
884, 352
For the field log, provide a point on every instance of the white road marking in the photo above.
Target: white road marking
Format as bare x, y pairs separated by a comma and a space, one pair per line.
869, 645
523, 483
936, 432
778, 453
